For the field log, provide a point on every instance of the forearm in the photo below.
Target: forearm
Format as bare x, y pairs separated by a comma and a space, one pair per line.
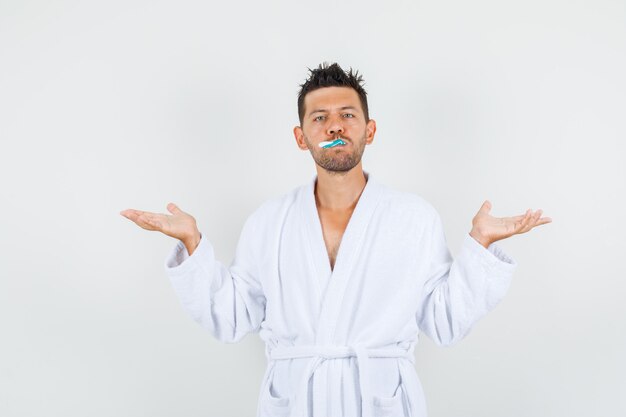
226, 300
458, 292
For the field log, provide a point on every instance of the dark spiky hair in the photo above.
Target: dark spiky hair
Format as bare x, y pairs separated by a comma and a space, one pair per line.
332, 76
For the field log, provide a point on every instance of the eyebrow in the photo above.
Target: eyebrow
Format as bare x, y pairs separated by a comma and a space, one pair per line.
326, 111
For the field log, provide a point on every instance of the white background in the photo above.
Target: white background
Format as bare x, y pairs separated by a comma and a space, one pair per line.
132, 104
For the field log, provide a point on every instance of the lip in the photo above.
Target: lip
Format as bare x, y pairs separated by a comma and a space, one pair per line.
347, 142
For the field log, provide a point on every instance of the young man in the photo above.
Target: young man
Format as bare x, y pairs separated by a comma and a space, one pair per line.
339, 275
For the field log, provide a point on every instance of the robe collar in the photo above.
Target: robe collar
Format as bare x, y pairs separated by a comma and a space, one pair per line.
331, 284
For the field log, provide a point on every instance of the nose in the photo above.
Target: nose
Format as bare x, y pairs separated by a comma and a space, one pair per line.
334, 126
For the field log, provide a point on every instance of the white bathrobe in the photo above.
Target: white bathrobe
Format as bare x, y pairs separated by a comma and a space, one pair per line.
340, 343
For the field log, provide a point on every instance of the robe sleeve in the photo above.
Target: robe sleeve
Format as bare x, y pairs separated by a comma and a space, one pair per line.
458, 292
228, 302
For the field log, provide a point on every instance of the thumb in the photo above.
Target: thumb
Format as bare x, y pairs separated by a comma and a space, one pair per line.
173, 208
485, 208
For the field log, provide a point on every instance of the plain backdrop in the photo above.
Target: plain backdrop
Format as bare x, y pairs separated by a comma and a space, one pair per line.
134, 104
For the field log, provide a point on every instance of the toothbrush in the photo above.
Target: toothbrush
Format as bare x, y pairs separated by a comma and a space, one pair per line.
330, 144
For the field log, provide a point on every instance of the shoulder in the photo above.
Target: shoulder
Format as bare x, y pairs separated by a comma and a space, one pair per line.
273, 208
405, 202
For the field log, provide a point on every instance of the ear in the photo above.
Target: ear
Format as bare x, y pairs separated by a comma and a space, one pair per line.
370, 131
299, 135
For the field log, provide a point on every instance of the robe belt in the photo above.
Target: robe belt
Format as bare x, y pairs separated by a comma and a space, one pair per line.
321, 353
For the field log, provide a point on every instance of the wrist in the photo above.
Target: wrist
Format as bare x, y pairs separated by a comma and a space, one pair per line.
191, 242
480, 238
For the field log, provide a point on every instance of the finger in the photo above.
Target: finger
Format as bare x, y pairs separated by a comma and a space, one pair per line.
148, 222
525, 217
535, 218
543, 220
155, 223
485, 208
152, 218
173, 208
515, 218
127, 212
524, 223
132, 214
530, 221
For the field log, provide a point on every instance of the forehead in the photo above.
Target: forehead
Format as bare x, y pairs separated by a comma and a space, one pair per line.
331, 97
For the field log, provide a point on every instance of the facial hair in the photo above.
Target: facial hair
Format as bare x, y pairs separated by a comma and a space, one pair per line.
338, 158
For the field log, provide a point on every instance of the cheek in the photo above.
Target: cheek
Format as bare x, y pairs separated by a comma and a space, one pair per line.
315, 132
355, 124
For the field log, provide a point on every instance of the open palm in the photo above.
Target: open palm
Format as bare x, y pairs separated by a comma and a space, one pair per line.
179, 225
487, 228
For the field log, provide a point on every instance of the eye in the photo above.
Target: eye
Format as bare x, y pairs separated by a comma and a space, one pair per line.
316, 119
349, 114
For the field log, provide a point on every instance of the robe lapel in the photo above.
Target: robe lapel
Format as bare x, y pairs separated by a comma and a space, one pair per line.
332, 284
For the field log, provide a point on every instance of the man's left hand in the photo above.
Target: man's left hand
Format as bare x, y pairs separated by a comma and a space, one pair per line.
487, 229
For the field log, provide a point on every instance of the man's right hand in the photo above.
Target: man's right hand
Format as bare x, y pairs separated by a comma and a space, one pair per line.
179, 225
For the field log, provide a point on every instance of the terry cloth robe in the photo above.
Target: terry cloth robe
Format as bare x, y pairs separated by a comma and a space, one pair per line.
340, 342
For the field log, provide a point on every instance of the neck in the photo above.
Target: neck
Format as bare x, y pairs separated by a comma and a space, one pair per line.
339, 191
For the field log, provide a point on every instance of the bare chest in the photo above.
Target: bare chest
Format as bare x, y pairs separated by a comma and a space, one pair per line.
333, 227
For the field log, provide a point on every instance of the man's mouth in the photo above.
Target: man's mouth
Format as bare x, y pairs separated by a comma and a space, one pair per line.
339, 141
